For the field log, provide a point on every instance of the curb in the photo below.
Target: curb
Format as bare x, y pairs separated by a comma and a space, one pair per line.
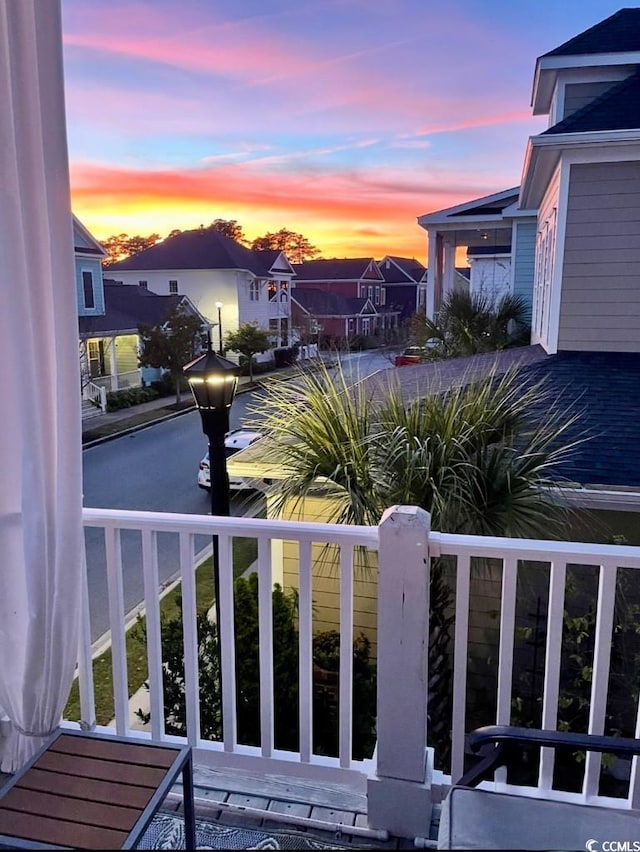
131, 429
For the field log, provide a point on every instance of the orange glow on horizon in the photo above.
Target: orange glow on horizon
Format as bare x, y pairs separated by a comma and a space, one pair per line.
344, 215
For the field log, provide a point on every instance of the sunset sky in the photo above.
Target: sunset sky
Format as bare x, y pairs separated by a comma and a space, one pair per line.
344, 120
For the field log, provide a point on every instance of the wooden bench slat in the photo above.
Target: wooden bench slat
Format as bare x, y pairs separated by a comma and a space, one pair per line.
61, 807
104, 770
46, 830
90, 789
115, 751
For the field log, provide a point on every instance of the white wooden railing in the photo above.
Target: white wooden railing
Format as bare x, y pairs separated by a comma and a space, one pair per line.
187, 527
401, 778
97, 394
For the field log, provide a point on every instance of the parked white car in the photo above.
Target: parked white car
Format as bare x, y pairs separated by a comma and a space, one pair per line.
235, 441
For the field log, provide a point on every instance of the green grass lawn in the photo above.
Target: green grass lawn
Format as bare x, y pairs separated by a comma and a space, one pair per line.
245, 551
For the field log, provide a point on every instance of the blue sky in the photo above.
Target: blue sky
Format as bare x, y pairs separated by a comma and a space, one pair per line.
342, 120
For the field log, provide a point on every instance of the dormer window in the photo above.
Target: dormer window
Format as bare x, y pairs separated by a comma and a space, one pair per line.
87, 289
173, 288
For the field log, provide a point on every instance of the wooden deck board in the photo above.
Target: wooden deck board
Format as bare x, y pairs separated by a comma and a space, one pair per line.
281, 788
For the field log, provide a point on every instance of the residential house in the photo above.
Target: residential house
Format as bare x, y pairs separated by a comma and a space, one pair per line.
350, 278
44, 608
568, 238
109, 314
88, 254
109, 340
403, 277
212, 270
320, 316
499, 238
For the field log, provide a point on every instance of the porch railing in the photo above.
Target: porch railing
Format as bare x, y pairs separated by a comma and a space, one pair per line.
400, 779
97, 394
119, 381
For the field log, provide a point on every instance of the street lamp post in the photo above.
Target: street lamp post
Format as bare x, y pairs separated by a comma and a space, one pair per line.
220, 349
213, 381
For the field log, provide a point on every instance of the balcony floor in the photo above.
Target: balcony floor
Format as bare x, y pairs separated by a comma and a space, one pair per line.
288, 798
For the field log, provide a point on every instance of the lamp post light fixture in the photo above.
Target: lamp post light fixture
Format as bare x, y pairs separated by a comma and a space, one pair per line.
220, 349
213, 381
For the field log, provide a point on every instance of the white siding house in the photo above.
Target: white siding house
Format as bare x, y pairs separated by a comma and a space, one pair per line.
497, 234
210, 268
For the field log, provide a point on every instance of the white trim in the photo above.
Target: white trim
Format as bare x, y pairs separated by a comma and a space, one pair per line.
438, 215
556, 282
83, 232
547, 67
513, 255
93, 308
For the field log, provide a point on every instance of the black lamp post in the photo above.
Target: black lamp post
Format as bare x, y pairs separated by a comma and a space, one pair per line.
213, 381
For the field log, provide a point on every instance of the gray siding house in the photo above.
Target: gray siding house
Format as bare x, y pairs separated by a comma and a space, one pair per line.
571, 231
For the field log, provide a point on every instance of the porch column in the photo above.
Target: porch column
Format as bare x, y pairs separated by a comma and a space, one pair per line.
434, 274
113, 363
399, 792
448, 266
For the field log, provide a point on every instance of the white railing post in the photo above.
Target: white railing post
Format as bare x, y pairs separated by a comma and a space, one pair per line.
399, 792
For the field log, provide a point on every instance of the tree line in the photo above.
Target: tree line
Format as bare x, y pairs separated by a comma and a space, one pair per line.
296, 246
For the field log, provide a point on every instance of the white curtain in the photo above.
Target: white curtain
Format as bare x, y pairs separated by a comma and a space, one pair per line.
40, 437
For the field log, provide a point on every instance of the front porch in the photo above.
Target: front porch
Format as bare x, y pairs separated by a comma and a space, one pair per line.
396, 791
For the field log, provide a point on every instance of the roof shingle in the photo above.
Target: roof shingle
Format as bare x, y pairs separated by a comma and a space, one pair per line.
616, 109
203, 248
619, 33
126, 307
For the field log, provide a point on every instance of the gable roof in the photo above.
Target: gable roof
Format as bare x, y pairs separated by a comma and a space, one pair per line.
493, 205
323, 304
619, 33
404, 270
612, 43
204, 248
332, 269
84, 242
616, 109
127, 306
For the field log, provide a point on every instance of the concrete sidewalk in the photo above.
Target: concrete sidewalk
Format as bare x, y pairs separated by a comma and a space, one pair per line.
108, 425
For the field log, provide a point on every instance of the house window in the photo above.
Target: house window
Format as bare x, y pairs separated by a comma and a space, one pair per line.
377, 296
370, 292
173, 287
351, 324
254, 290
278, 291
87, 287
365, 325
143, 284
383, 295
96, 358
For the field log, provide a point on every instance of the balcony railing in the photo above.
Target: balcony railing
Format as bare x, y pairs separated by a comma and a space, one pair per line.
118, 381
488, 578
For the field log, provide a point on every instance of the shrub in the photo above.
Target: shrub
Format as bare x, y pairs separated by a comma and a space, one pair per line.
166, 386
129, 396
285, 677
258, 366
